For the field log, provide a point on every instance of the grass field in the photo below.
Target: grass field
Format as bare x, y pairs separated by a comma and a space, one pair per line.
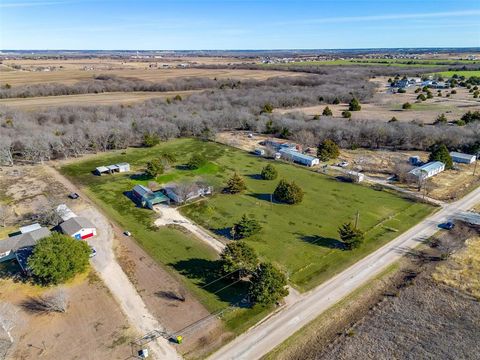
383, 62
466, 73
301, 239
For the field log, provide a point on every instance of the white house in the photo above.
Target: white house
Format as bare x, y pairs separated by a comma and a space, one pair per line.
428, 170
79, 228
110, 169
182, 193
462, 158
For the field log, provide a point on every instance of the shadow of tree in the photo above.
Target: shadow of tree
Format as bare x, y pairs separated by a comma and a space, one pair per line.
225, 232
264, 197
323, 241
141, 177
206, 273
254, 176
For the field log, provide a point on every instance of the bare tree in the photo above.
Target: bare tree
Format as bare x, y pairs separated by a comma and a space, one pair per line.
6, 151
56, 301
50, 215
185, 189
402, 170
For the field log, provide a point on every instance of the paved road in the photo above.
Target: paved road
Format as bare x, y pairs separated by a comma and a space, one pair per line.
262, 338
117, 281
170, 215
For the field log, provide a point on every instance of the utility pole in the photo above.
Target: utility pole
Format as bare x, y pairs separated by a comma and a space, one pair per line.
476, 161
357, 218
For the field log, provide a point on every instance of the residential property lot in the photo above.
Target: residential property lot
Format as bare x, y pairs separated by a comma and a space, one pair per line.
301, 239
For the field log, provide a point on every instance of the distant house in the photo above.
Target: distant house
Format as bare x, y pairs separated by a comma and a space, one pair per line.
298, 157
79, 228
401, 84
111, 169
462, 158
180, 194
428, 170
278, 144
11, 245
148, 198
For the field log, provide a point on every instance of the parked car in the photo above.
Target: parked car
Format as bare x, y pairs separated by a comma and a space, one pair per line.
447, 226
343, 164
73, 196
127, 233
93, 253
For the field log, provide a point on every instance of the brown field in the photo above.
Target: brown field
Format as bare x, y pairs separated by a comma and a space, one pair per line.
384, 105
402, 313
112, 98
92, 328
71, 76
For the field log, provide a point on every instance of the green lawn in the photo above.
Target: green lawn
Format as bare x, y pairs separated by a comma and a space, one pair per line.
466, 73
302, 239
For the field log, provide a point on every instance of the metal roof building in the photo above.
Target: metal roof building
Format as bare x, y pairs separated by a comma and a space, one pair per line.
428, 170
148, 198
110, 169
78, 227
462, 158
13, 243
298, 157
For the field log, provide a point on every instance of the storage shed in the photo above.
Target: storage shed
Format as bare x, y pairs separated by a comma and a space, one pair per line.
79, 228
462, 158
298, 157
428, 170
114, 168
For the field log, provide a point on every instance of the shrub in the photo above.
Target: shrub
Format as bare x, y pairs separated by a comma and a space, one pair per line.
269, 172
246, 227
354, 105
288, 192
150, 139
406, 106
336, 101
441, 119
421, 97
58, 258
401, 91
196, 162
346, 114
154, 168
267, 108
327, 112
393, 119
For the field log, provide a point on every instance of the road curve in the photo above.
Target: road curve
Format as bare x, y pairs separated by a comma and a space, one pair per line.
264, 337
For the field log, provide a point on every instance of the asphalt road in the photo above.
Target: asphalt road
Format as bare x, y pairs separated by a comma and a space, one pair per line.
264, 337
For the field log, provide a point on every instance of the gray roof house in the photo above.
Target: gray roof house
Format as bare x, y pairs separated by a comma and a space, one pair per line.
78, 227
428, 170
462, 158
9, 246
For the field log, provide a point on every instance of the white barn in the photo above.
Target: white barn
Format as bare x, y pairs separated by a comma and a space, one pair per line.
79, 228
115, 168
462, 158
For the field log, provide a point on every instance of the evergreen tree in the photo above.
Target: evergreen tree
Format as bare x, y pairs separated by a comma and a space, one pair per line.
346, 114
440, 153
237, 255
235, 184
351, 237
269, 172
268, 285
288, 192
196, 162
327, 150
246, 227
354, 105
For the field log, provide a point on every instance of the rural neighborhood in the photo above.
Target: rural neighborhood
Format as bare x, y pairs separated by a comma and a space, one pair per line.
289, 181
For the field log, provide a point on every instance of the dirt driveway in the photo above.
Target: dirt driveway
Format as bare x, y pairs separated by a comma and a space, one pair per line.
117, 281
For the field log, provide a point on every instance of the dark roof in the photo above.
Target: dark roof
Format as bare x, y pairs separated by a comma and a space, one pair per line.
22, 256
75, 224
22, 240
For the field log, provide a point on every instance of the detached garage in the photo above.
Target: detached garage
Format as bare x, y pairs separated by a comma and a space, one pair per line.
79, 228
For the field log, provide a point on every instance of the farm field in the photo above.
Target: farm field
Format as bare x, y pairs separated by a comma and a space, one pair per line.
306, 246
71, 76
466, 73
112, 98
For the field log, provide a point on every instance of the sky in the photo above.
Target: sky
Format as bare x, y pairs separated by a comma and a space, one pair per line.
235, 24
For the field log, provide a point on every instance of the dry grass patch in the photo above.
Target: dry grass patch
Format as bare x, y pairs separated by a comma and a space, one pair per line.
463, 270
